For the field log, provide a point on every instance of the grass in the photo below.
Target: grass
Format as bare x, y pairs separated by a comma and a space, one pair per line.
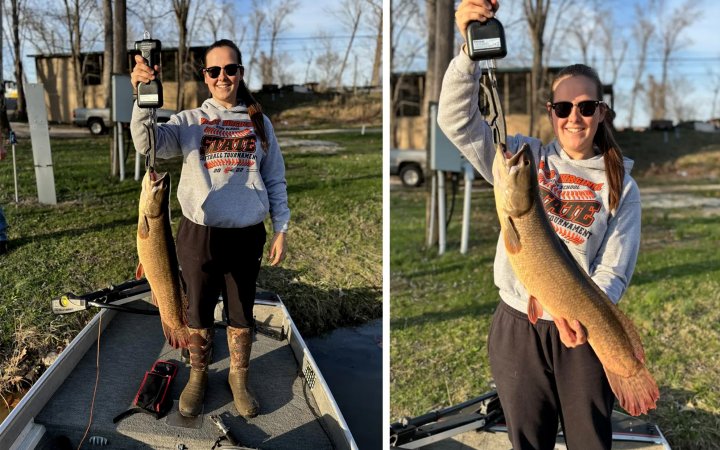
441, 306
331, 277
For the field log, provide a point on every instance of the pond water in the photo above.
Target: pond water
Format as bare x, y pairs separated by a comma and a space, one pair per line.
350, 359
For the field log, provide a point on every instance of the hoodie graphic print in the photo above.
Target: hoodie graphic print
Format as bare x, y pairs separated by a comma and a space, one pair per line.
228, 146
571, 203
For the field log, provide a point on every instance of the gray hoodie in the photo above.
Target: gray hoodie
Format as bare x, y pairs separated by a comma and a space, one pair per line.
574, 193
227, 179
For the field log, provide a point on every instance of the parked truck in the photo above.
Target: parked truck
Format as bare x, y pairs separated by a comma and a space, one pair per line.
98, 119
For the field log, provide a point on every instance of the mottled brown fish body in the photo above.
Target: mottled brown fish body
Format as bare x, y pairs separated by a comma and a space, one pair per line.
158, 260
551, 275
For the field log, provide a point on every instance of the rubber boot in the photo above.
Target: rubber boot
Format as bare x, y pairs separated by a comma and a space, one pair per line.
240, 343
191, 399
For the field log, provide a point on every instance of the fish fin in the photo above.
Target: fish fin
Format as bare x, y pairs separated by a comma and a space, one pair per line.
177, 338
535, 310
510, 235
632, 334
139, 272
637, 394
143, 228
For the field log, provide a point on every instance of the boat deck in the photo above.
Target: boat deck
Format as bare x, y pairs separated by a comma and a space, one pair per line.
131, 344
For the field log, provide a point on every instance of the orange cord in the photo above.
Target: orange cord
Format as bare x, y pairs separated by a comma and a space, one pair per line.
97, 379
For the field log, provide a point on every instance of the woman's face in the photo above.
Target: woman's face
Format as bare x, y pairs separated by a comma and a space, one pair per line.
576, 132
223, 88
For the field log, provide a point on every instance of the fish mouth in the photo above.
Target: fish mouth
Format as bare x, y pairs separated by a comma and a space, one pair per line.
517, 161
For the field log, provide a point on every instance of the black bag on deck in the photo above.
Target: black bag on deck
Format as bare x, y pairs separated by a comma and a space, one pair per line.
153, 397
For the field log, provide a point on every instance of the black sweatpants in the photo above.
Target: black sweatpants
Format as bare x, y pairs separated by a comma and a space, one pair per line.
220, 260
540, 380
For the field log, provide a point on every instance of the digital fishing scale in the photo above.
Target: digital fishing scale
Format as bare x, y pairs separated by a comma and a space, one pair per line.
486, 42
150, 95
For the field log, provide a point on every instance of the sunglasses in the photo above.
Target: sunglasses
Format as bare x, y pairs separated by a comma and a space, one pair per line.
230, 70
587, 108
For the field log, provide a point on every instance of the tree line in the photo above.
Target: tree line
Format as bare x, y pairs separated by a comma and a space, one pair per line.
548, 31
75, 27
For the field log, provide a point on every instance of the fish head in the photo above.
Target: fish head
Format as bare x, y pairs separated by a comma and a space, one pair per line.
155, 196
515, 180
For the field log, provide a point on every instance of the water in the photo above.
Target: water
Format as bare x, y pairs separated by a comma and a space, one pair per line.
350, 359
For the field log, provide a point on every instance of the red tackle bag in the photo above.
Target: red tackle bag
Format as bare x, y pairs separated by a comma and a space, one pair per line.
153, 397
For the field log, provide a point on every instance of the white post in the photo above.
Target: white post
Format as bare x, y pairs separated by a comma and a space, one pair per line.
40, 139
13, 140
442, 232
362, 132
433, 198
469, 177
121, 148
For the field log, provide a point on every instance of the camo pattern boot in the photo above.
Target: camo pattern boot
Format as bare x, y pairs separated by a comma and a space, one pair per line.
240, 343
191, 399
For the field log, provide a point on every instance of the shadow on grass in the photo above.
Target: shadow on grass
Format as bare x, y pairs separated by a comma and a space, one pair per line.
296, 188
675, 271
437, 317
685, 427
316, 309
19, 242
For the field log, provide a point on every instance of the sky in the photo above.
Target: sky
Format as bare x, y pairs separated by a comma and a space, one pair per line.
693, 62
299, 39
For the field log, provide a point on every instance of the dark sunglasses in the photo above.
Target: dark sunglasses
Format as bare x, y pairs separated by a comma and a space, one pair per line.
230, 70
587, 108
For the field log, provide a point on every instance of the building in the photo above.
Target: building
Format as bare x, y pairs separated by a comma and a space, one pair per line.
56, 73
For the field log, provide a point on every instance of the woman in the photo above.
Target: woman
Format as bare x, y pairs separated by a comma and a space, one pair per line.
232, 174
544, 370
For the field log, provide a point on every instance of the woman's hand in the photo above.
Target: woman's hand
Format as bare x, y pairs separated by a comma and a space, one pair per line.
572, 334
474, 10
141, 73
277, 249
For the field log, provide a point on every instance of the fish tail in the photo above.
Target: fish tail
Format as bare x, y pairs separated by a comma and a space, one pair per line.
178, 337
637, 394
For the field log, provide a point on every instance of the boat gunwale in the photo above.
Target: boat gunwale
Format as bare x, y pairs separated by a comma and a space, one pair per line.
16, 424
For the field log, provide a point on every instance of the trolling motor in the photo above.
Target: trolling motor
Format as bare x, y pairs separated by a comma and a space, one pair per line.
486, 42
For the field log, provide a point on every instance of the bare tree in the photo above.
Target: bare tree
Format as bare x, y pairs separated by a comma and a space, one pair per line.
21, 109
181, 9
277, 15
4, 122
670, 28
328, 59
349, 14
682, 106
120, 44
265, 68
536, 12
430, 72
72, 18
108, 51
642, 34
614, 44
218, 18
257, 20
376, 23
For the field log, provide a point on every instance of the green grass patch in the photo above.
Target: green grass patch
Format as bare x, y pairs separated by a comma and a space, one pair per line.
441, 306
332, 275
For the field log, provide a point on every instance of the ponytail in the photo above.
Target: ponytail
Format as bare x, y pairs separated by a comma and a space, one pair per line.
612, 155
256, 115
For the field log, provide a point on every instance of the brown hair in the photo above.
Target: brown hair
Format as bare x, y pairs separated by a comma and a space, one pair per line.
604, 139
244, 95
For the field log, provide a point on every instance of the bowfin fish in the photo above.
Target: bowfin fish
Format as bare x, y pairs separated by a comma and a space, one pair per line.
158, 260
542, 262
